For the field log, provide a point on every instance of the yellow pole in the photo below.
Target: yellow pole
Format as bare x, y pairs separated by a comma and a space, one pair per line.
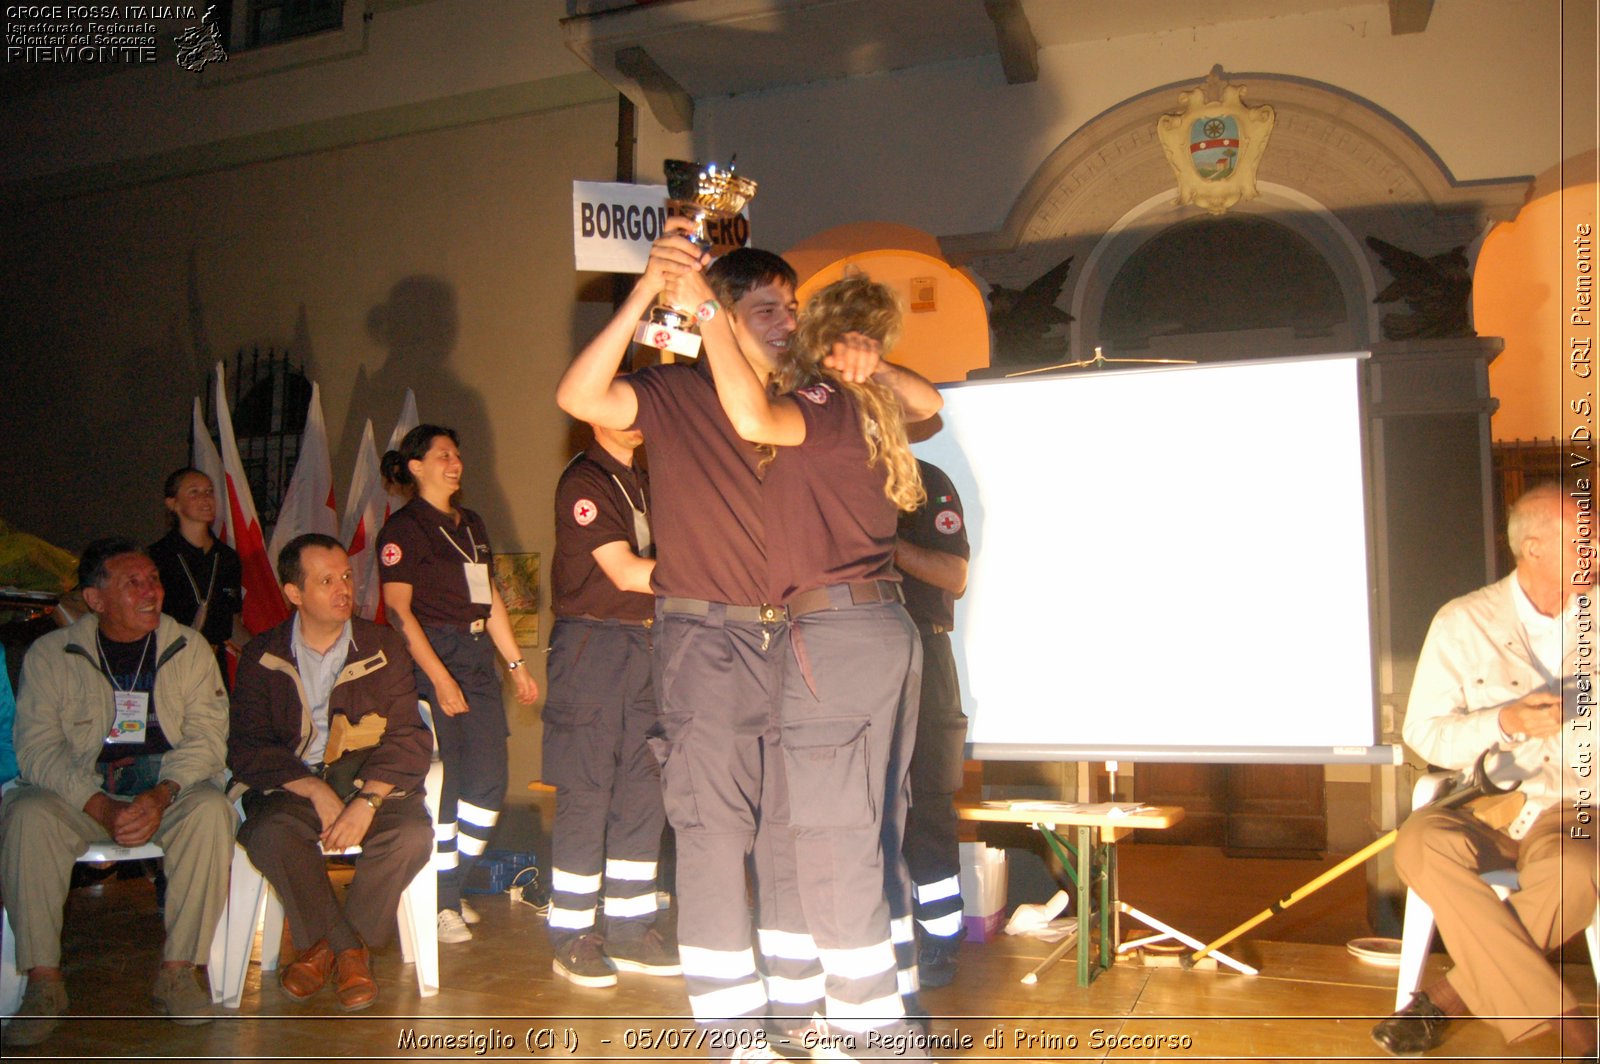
1299, 894
1477, 784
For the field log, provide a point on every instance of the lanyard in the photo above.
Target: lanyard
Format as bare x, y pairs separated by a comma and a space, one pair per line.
202, 605
641, 517
105, 663
471, 558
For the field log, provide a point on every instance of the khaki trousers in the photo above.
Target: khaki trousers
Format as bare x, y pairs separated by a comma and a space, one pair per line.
1499, 948
41, 836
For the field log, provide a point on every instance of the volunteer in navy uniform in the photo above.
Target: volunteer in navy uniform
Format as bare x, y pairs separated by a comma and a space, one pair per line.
719, 640
200, 574
840, 468
600, 708
435, 566
931, 555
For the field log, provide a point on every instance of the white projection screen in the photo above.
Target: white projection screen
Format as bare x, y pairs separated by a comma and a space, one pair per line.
1167, 563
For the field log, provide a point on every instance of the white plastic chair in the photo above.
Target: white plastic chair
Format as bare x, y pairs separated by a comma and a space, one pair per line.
1416, 934
13, 982
252, 904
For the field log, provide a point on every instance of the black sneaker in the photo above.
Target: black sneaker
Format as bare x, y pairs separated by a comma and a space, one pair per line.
646, 954
582, 960
936, 960
1416, 1028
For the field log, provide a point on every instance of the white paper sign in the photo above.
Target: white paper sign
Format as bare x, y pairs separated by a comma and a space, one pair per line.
614, 224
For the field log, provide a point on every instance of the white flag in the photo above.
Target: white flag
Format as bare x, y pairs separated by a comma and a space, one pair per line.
204, 457
408, 421
363, 517
308, 505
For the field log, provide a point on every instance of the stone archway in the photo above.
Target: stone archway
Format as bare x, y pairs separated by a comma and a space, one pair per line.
1337, 170
1275, 276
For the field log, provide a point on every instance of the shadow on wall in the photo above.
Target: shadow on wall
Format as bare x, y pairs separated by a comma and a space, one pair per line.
418, 325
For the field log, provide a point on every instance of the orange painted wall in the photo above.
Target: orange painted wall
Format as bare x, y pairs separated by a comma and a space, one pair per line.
1519, 294
942, 344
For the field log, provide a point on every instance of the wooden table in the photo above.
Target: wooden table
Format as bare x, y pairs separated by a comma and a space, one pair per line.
1093, 859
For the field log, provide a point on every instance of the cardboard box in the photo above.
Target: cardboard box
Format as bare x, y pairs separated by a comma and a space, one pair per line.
983, 891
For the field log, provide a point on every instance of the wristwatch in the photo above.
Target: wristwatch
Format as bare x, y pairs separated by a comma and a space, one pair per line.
513, 666
374, 800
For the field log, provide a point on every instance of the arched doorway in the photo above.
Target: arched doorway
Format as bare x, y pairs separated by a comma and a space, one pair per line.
1216, 288
1290, 272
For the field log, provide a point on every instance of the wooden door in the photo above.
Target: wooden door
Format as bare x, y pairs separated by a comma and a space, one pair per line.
1256, 810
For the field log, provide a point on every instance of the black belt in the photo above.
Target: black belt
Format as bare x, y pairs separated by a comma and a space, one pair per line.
589, 618
814, 600
842, 596
764, 614
477, 627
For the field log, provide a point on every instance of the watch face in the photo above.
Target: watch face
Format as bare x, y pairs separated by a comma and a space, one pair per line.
706, 311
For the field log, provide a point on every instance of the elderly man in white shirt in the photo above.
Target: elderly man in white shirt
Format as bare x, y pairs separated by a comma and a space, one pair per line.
1495, 671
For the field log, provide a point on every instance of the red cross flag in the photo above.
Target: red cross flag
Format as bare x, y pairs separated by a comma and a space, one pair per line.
263, 599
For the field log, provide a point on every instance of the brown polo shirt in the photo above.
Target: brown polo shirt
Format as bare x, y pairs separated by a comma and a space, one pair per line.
426, 548
595, 502
939, 524
828, 520
706, 489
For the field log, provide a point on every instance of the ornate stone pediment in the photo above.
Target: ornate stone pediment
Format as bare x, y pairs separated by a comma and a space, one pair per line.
1340, 169
1215, 143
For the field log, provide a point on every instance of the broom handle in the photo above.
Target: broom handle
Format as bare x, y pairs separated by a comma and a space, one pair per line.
1478, 785
1296, 895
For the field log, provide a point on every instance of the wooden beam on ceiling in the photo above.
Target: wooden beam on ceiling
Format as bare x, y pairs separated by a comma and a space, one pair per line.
1409, 16
671, 105
1019, 51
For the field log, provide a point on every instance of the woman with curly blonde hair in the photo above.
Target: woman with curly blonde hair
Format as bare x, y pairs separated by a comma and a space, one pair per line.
845, 312
838, 471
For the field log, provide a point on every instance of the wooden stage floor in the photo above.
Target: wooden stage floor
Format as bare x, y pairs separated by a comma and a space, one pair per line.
1312, 1001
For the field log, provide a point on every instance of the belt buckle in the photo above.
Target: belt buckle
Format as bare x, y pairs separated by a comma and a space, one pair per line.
769, 614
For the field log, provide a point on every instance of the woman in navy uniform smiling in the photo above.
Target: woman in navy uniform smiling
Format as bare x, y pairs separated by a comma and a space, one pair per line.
437, 589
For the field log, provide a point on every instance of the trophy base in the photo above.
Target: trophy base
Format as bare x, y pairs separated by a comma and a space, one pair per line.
666, 338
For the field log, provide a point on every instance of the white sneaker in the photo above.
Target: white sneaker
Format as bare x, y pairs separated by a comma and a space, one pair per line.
452, 928
469, 914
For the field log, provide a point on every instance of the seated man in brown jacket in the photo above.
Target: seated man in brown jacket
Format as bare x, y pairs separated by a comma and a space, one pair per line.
321, 686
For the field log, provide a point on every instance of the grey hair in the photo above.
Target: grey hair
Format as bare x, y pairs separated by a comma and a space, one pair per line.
1537, 508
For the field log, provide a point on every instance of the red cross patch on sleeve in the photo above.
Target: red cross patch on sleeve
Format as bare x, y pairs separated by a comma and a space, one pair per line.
584, 511
391, 554
948, 522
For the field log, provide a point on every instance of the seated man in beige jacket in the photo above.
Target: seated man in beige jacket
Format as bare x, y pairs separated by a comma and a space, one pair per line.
121, 728
1504, 668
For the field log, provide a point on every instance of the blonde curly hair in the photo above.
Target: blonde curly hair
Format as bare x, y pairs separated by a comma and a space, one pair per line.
857, 304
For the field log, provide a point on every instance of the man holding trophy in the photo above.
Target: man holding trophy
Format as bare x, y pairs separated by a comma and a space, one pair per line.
719, 643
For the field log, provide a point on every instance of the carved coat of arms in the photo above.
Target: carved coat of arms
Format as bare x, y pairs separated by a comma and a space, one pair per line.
1215, 144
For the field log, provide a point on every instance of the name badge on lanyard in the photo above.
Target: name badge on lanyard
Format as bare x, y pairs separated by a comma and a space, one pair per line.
477, 572
478, 583
641, 519
132, 719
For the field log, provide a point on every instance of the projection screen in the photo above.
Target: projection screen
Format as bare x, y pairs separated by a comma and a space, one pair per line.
1167, 563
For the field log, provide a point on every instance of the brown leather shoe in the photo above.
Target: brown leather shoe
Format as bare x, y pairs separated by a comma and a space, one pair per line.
352, 979
309, 973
